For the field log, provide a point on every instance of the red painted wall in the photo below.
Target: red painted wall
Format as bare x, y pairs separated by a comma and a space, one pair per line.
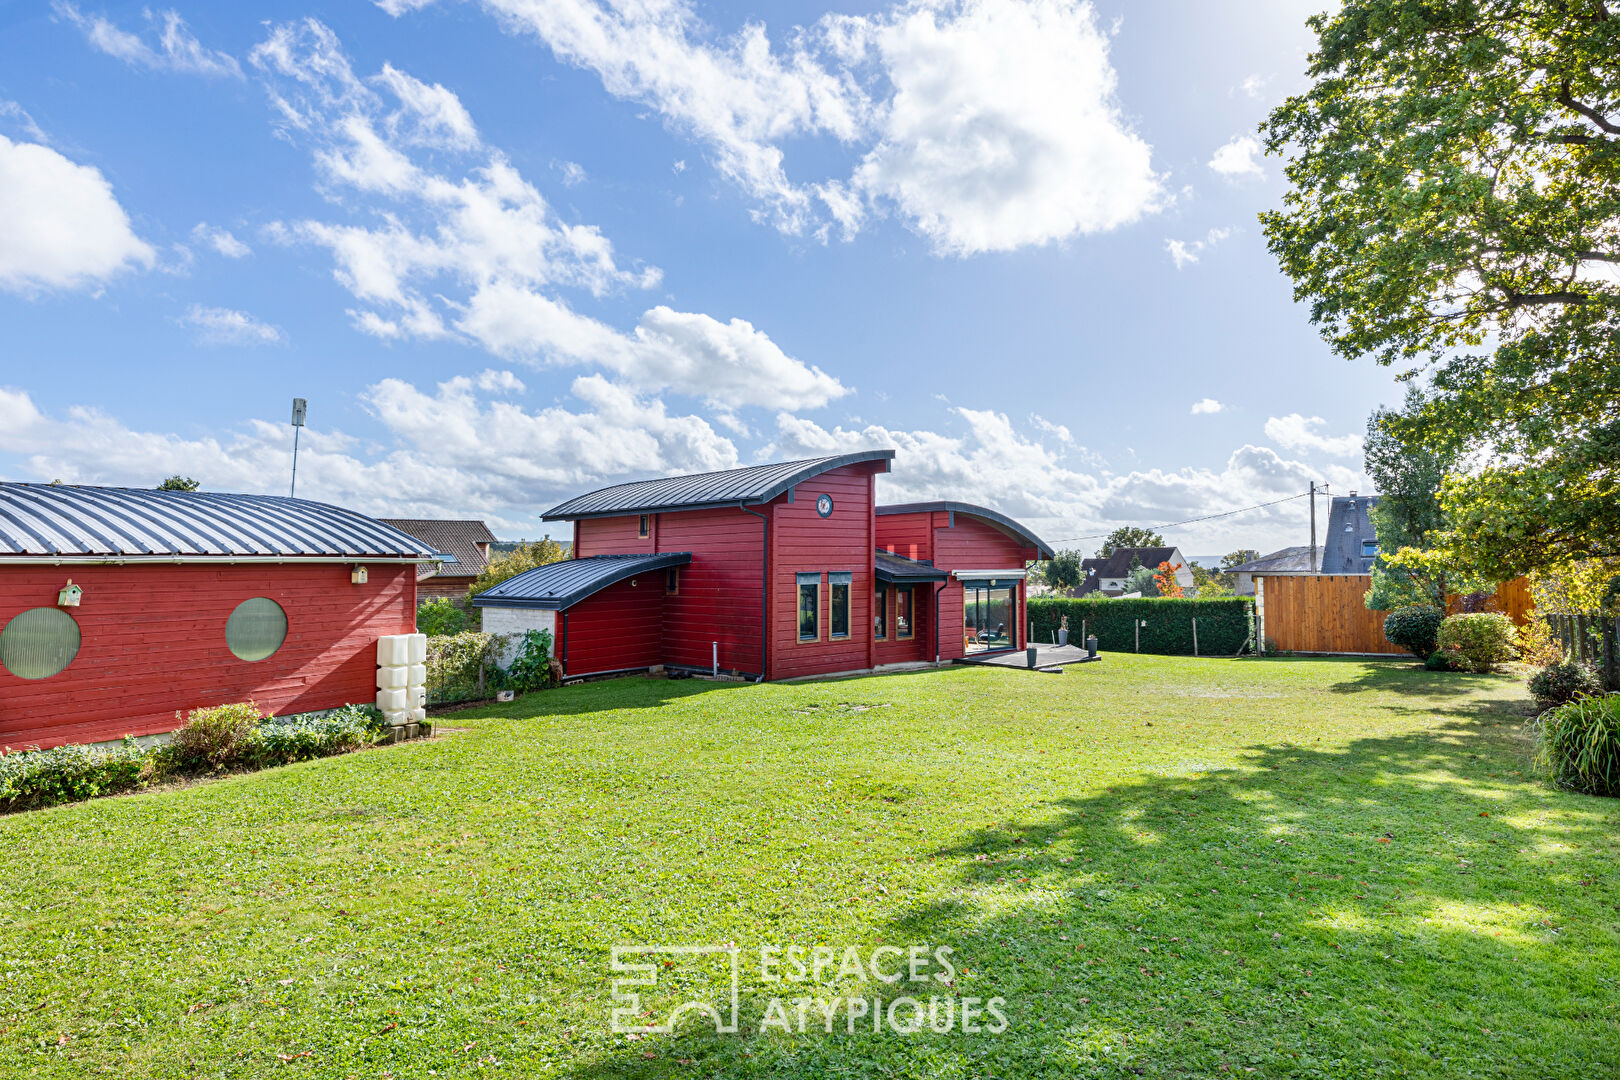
152, 642
619, 627
921, 644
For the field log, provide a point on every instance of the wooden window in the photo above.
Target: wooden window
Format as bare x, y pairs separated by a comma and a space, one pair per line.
902, 613
809, 607
880, 613
672, 581
644, 526
838, 585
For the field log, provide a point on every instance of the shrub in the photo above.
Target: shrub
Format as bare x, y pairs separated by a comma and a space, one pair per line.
531, 669
210, 738
1439, 661
458, 666
1415, 627
37, 778
1537, 645
280, 742
440, 616
1580, 744
1563, 681
1223, 625
1481, 640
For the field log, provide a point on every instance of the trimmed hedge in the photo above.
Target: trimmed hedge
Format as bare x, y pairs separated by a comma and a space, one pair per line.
1224, 624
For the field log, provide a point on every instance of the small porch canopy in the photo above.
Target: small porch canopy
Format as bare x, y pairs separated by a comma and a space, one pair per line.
560, 585
899, 570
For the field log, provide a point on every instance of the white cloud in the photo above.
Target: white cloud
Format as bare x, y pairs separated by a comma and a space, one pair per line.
450, 452
177, 49
1186, 252
1205, 406
987, 125
482, 256
1254, 86
1060, 432
19, 116
1239, 157
224, 326
1297, 432
573, 173
61, 227
222, 240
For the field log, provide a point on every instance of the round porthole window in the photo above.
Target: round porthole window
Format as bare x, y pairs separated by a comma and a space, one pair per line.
39, 643
256, 628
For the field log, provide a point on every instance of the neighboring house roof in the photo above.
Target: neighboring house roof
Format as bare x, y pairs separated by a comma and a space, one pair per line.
1348, 528
1006, 523
1296, 560
448, 537
1118, 564
143, 524
563, 584
900, 570
732, 487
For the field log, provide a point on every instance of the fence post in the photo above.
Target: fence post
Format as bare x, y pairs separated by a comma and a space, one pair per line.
1195, 637
1611, 668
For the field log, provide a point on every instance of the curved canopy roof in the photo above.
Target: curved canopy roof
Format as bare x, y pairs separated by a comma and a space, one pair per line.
1001, 521
900, 570
731, 487
563, 584
62, 520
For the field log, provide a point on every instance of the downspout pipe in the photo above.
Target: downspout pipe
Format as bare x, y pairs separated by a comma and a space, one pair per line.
764, 587
937, 590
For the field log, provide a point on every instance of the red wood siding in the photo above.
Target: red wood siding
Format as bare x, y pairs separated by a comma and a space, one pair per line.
615, 536
803, 542
152, 642
970, 544
921, 644
910, 536
617, 628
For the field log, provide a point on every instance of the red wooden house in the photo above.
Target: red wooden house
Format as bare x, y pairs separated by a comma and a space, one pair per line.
773, 571
120, 607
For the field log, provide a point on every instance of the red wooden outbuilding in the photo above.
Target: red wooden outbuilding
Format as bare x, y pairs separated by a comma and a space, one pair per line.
121, 607
773, 571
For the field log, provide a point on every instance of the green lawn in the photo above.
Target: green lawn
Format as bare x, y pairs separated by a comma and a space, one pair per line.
1167, 867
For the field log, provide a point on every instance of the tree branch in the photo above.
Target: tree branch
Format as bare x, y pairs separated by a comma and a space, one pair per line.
1566, 99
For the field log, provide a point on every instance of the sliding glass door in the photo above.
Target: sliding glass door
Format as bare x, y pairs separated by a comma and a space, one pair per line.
989, 615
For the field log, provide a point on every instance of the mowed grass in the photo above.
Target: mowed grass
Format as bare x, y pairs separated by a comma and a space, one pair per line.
1167, 867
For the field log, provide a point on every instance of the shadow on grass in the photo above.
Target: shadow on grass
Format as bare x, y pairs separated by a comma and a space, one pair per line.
1408, 905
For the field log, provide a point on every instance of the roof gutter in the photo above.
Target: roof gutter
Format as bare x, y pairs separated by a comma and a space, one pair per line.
211, 560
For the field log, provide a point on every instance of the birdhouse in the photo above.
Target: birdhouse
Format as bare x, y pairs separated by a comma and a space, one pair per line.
358, 575
69, 595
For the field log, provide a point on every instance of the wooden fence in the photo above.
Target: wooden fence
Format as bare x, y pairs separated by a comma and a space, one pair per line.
1327, 613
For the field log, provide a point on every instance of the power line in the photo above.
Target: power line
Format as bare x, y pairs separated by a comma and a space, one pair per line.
1192, 521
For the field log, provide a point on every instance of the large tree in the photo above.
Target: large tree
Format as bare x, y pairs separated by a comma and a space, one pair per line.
1455, 209
1407, 476
1129, 536
1062, 571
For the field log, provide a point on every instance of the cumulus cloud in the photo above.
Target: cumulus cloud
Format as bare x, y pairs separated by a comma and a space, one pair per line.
177, 49
224, 326
61, 227
1207, 405
1186, 252
480, 255
455, 450
1298, 432
1239, 157
986, 125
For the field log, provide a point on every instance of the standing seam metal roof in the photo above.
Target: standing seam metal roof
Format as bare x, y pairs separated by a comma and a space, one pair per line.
901, 570
56, 519
730, 487
563, 584
969, 509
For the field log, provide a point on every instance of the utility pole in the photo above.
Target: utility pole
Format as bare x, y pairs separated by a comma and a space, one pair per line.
1313, 517
299, 406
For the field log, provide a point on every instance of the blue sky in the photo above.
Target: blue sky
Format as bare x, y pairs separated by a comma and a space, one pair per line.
516, 249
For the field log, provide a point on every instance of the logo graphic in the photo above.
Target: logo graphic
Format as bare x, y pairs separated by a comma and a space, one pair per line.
639, 965
824, 505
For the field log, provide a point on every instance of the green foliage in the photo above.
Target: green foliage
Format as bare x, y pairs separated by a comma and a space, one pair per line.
210, 739
1455, 180
1580, 744
36, 778
1439, 661
459, 666
525, 556
531, 669
1140, 580
179, 483
1479, 641
1129, 536
1211, 583
1587, 586
440, 616
1223, 625
1407, 476
304, 738
1563, 681
1062, 571
1415, 627
1238, 557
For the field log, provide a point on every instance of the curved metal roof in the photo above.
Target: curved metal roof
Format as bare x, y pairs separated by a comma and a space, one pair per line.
730, 487
563, 584
985, 513
60, 520
901, 570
